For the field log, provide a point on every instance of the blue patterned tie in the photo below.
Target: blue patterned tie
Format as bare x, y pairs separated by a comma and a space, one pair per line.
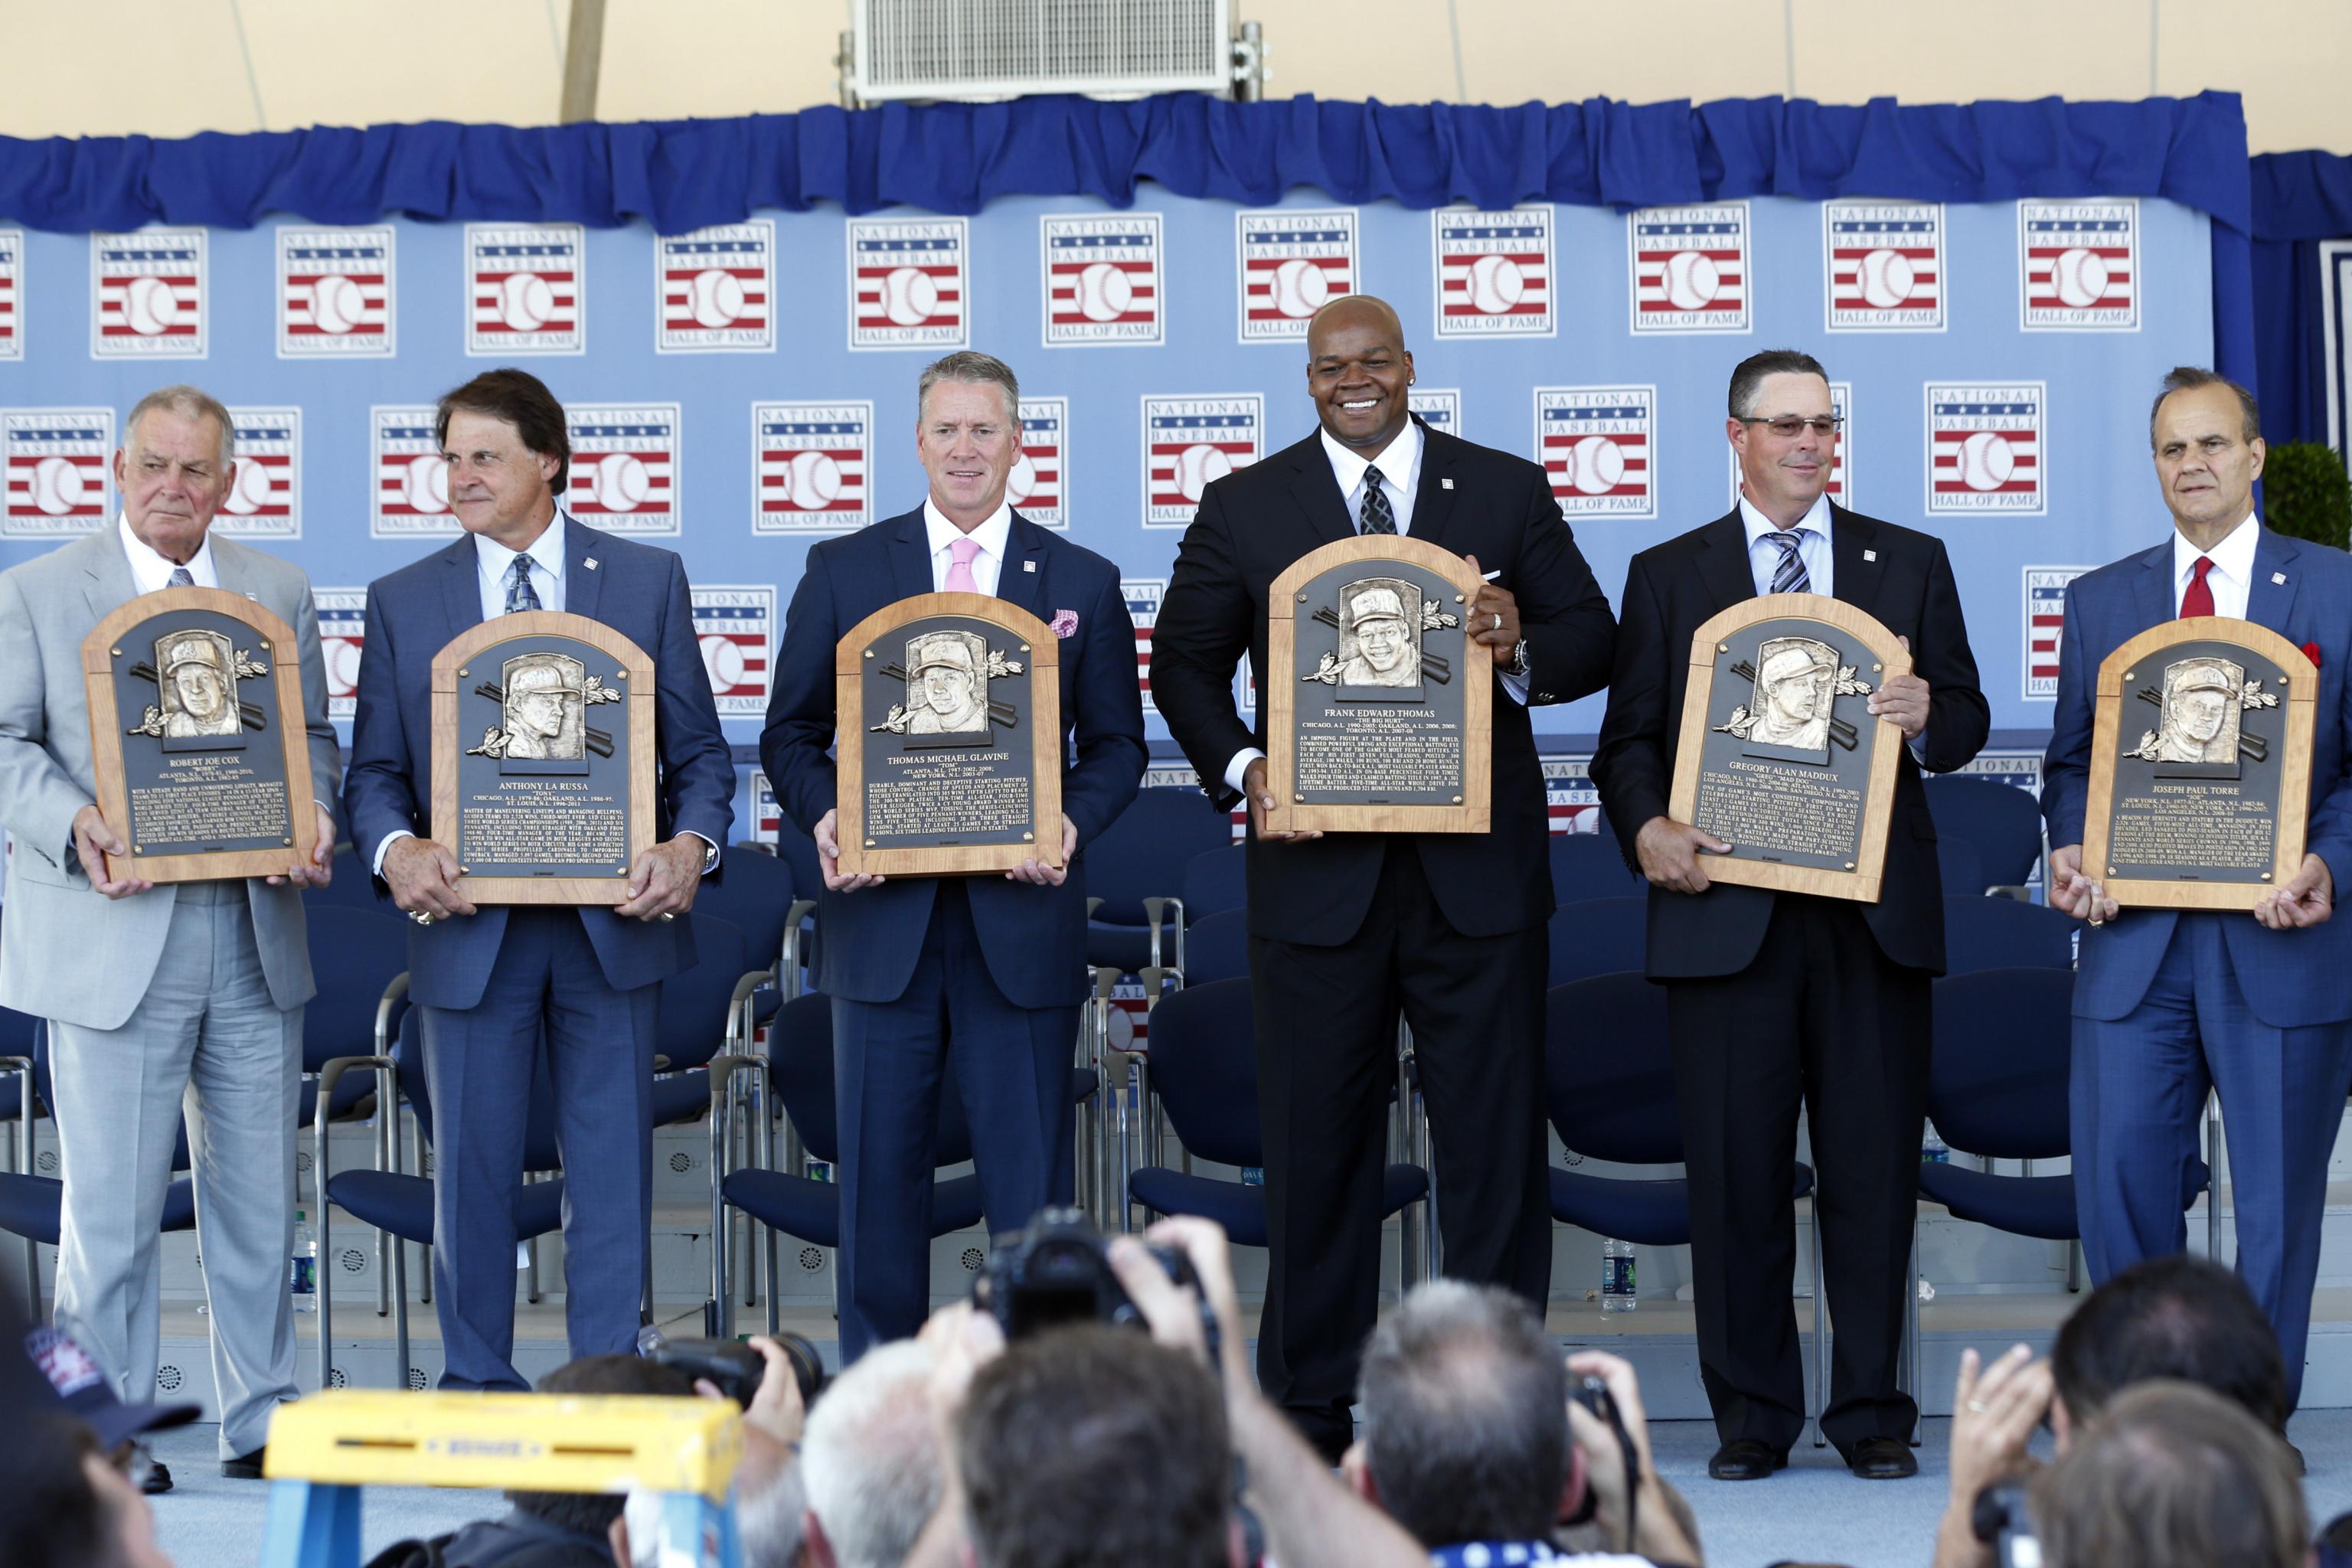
180, 578
1789, 576
520, 595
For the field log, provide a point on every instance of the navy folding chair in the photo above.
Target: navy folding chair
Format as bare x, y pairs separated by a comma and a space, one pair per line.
18, 1105
797, 850
1204, 1070
1598, 936
1215, 880
1589, 865
1960, 867
1217, 948
2002, 933
2002, 822
755, 892
701, 1014
1135, 877
368, 949
1609, 1089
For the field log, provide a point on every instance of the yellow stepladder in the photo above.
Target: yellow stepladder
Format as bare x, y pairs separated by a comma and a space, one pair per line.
324, 1448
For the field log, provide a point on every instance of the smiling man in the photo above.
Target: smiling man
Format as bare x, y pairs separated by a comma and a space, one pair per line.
2169, 1003
1349, 930
977, 979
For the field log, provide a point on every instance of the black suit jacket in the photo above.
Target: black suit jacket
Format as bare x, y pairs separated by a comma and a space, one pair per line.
1899, 576
1473, 500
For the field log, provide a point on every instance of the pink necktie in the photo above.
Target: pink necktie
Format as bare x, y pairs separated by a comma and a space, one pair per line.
960, 578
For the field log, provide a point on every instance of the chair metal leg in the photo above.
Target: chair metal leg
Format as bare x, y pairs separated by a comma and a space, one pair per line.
1911, 1351
1821, 1331
531, 1251
2214, 1153
425, 1250
2074, 1268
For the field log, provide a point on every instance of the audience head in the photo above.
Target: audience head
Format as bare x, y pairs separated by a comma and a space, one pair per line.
1466, 1432
1093, 1446
592, 1513
63, 1505
870, 1460
2173, 1475
2176, 1317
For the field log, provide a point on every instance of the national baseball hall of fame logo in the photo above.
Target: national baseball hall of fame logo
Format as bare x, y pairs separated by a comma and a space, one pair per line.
58, 480
1985, 448
342, 636
1289, 264
1039, 481
909, 284
1691, 268
147, 294
527, 290
1143, 595
1440, 407
411, 497
12, 293
1191, 442
808, 467
1571, 800
767, 815
265, 499
2046, 623
2078, 265
715, 289
1496, 275
335, 292
625, 467
1595, 444
1841, 486
1102, 281
736, 626
1886, 263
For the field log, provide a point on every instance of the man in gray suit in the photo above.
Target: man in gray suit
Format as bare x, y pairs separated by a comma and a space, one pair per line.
152, 992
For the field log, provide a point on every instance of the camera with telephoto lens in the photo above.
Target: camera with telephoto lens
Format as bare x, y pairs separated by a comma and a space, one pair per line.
1592, 1392
1055, 1270
734, 1368
2002, 1522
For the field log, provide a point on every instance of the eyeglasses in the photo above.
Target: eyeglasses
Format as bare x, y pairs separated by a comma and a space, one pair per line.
1788, 426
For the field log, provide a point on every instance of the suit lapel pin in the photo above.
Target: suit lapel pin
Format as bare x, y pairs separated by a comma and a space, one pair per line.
1028, 566
2279, 578
1870, 555
589, 563
1445, 484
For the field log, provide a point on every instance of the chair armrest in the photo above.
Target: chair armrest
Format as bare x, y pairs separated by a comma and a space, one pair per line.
388, 1010
2010, 890
1155, 911
23, 1068
788, 967
386, 1106
1159, 982
1092, 905
739, 1011
722, 1069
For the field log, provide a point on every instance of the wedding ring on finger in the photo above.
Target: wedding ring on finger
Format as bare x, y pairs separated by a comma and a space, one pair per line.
420, 917
666, 916
1498, 620
1976, 1406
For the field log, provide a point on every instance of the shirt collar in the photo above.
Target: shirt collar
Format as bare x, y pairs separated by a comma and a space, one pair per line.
546, 552
1816, 519
993, 535
151, 571
2234, 557
1395, 462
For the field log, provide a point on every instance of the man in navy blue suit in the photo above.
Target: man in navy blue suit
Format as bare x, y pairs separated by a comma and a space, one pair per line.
984, 973
2169, 1003
491, 983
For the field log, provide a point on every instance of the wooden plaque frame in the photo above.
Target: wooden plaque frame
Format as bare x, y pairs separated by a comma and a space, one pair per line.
1889, 659
1278, 689
1043, 652
451, 665
106, 732
2117, 671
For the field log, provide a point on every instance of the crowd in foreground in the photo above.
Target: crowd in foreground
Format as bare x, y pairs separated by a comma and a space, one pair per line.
1089, 1443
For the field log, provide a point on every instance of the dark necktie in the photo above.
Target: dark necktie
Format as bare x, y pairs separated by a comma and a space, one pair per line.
1377, 517
1789, 576
180, 578
520, 595
2198, 599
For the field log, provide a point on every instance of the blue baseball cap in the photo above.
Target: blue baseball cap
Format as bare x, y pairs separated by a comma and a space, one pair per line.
77, 1386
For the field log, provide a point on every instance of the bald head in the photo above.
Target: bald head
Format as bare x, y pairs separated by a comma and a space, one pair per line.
1357, 370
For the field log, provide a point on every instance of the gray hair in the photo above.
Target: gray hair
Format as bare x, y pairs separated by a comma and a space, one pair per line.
972, 366
190, 402
2186, 377
1466, 1415
1747, 376
871, 1460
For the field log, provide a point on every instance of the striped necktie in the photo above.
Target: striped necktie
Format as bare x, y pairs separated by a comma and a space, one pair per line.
1789, 576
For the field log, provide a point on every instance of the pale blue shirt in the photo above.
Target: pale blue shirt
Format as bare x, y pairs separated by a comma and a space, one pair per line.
151, 572
1812, 531
496, 560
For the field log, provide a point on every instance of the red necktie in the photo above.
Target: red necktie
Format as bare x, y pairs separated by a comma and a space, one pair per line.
2198, 599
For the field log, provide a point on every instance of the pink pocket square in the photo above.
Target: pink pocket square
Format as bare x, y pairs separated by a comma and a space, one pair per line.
1065, 623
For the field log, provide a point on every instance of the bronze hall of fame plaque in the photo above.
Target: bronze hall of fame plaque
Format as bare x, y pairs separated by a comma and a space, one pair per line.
1378, 704
2200, 766
950, 745
544, 759
196, 736
1780, 755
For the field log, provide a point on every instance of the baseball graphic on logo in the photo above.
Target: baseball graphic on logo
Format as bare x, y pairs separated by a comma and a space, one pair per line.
1987, 460
1104, 292
251, 489
1885, 276
723, 660
1495, 284
57, 485
1300, 287
343, 656
717, 298
2080, 276
909, 297
812, 481
619, 481
525, 302
335, 305
1596, 466
149, 306
426, 486
1691, 281
1021, 483
1197, 467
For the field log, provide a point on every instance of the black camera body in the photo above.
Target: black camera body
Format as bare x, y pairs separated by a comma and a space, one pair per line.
1054, 1271
735, 1369
2001, 1520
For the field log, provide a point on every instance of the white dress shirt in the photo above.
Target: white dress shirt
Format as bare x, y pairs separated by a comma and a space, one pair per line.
2232, 575
1812, 531
151, 572
546, 554
993, 536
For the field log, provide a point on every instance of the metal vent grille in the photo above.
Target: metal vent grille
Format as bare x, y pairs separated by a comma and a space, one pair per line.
1002, 48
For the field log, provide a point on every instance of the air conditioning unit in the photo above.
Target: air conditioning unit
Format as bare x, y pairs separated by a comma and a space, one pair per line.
978, 50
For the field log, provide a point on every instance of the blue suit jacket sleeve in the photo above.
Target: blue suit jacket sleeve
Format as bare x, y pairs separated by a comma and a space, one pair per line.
2066, 766
795, 744
2328, 835
1106, 722
698, 768
379, 795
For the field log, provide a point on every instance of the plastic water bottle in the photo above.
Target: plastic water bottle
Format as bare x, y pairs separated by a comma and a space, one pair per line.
304, 1267
1617, 1290
1932, 1151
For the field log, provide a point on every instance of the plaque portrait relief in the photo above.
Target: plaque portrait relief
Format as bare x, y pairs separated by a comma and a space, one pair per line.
199, 686
1794, 687
542, 708
2199, 708
947, 686
1379, 634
